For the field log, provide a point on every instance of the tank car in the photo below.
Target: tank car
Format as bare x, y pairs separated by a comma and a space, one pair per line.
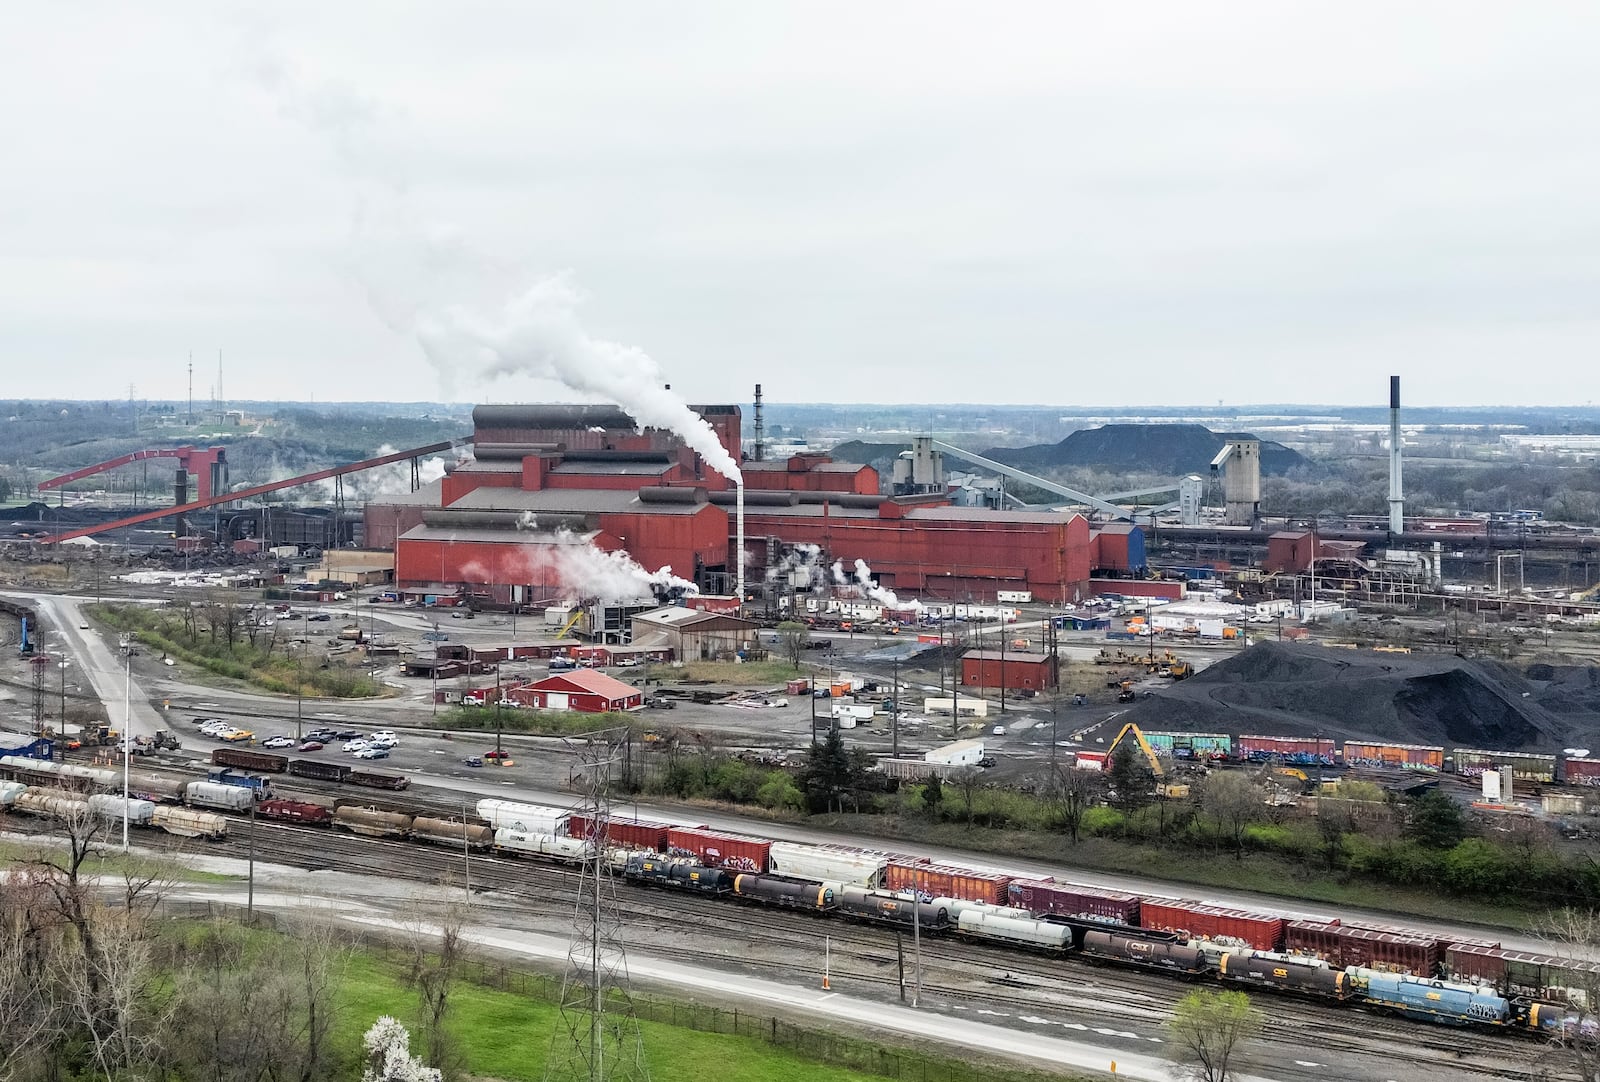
787, 892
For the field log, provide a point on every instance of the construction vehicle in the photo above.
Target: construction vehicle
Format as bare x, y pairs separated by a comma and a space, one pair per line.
1179, 670
1173, 791
94, 736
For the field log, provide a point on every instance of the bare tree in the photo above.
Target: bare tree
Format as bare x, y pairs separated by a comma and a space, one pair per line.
114, 990
1077, 791
1574, 1049
321, 953
30, 1016
793, 638
966, 782
1233, 801
437, 949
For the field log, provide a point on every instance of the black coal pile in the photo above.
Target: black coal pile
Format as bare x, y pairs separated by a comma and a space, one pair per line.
1169, 449
1293, 690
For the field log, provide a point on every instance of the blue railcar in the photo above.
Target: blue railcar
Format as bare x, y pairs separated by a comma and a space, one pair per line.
1438, 1001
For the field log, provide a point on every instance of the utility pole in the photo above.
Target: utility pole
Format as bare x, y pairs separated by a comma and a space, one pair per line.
1001, 617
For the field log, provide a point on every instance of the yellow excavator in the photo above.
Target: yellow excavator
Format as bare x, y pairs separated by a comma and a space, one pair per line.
1173, 790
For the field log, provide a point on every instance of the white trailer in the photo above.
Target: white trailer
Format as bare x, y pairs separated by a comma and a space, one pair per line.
967, 708
525, 818
960, 753
858, 715
1014, 597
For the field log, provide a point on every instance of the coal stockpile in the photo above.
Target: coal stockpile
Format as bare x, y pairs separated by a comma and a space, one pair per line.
1161, 448
1287, 689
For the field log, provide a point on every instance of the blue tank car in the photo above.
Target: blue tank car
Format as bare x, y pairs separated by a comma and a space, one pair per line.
1437, 1001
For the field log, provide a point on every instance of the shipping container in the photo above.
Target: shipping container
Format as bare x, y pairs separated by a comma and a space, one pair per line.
716, 850
633, 833
1070, 900
1581, 771
1421, 757
374, 779
318, 771
830, 863
297, 811
250, 760
1291, 750
1392, 952
1192, 920
946, 881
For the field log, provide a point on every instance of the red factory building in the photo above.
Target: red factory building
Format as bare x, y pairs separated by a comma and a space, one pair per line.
1012, 670
547, 485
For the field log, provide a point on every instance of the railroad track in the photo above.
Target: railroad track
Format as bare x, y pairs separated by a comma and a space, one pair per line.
784, 945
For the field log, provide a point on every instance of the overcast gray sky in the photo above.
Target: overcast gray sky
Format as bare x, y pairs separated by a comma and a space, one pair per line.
1163, 203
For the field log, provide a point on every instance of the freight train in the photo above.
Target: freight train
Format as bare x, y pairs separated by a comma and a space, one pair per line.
1448, 980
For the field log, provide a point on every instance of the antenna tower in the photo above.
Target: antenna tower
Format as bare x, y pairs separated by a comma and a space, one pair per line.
598, 1036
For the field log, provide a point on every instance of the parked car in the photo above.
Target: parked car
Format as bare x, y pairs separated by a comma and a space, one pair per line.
383, 742
658, 703
434, 636
510, 704
497, 755
239, 736
320, 617
323, 734
384, 734
373, 753
349, 734
471, 700
355, 745
278, 742
312, 745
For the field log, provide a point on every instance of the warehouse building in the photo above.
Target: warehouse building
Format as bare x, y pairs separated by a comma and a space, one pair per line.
692, 634
1021, 670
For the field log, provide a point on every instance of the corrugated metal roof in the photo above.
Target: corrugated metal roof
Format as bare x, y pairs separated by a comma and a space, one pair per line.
586, 680
569, 501
614, 469
486, 533
983, 514
782, 466
1010, 655
678, 616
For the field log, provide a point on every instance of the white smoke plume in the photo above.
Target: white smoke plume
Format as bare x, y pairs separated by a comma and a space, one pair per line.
885, 597
537, 334
391, 480
801, 561
839, 577
563, 558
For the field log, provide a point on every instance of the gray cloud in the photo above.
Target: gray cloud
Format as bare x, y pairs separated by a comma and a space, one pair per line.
1033, 202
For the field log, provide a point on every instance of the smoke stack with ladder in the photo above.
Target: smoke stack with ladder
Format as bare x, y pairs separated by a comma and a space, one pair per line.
1397, 500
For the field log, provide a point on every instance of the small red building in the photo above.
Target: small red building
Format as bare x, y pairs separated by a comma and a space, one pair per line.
581, 689
1020, 670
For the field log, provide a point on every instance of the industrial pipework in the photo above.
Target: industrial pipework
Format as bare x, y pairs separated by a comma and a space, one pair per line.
1397, 500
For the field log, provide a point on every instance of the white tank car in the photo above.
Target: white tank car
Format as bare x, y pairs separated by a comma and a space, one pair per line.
140, 812
9, 791
209, 794
553, 846
1024, 931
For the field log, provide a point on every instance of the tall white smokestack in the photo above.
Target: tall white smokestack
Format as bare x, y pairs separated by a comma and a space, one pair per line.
738, 516
1397, 499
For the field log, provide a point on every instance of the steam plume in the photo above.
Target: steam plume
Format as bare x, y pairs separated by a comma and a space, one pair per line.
537, 334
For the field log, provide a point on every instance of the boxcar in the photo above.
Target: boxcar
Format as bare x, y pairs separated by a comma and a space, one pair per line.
298, 811
525, 818
250, 760
374, 779
642, 834
946, 881
1070, 900
718, 850
318, 771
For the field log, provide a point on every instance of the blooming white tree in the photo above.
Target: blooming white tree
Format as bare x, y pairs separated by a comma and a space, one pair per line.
389, 1057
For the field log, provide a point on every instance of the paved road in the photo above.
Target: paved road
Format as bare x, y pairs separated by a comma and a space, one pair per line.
100, 664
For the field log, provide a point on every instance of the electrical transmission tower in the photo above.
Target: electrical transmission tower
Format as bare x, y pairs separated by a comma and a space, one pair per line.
41, 662
598, 1036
